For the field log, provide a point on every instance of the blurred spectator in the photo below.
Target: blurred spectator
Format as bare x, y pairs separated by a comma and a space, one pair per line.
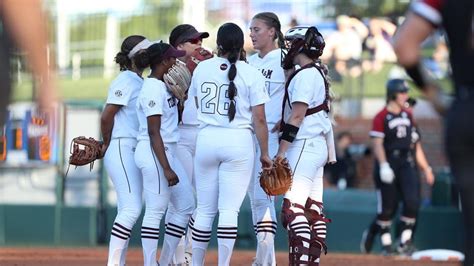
379, 44
345, 45
293, 22
342, 172
438, 64
364, 170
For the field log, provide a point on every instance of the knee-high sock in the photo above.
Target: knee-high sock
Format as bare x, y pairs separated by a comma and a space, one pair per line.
406, 229
385, 234
118, 245
201, 238
226, 236
150, 243
173, 234
265, 242
301, 228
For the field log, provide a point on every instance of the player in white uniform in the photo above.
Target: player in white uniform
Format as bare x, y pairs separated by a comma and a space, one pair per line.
163, 176
267, 38
307, 141
186, 38
119, 127
229, 97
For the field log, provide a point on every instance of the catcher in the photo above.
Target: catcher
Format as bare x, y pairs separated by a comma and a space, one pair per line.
85, 151
307, 141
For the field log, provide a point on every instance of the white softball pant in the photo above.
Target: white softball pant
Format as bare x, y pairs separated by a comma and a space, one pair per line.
127, 179
307, 158
223, 168
155, 185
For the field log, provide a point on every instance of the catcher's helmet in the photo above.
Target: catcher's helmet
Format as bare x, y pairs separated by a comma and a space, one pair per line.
395, 86
306, 40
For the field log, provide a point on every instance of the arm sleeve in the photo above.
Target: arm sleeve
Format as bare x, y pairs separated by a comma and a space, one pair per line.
429, 10
377, 127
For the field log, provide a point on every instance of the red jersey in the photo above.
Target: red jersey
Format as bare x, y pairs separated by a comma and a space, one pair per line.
395, 129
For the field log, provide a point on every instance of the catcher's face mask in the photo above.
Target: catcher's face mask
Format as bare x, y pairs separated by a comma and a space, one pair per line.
301, 39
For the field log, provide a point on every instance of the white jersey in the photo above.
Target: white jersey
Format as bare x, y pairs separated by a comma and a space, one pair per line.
270, 66
308, 87
154, 99
210, 84
124, 91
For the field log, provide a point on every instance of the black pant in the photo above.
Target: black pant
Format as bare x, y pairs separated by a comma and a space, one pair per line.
405, 186
460, 148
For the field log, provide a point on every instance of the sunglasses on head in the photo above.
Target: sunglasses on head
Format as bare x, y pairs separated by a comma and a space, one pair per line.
194, 41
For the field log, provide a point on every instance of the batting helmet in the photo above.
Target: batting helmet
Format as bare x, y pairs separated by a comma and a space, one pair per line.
305, 40
395, 86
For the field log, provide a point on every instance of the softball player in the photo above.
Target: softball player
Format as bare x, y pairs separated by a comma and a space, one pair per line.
119, 126
186, 38
229, 97
307, 141
265, 30
156, 158
394, 138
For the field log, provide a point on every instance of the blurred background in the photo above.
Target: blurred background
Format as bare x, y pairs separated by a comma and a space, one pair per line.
85, 36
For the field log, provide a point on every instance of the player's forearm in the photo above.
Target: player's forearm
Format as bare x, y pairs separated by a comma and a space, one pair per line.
27, 24
261, 132
159, 149
421, 157
261, 128
106, 127
379, 151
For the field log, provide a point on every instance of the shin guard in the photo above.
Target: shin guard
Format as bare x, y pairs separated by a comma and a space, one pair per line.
317, 221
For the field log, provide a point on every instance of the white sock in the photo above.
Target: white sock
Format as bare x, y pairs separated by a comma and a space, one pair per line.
172, 237
150, 244
226, 236
301, 227
118, 245
201, 238
265, 248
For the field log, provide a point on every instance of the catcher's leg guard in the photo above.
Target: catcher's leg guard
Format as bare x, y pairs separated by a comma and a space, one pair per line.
298, 232
314, 213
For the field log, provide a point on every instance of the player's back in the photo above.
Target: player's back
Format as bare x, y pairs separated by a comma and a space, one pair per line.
210, 84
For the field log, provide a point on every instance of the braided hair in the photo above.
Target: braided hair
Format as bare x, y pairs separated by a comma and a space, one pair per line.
127, 45
271, 20
230, 42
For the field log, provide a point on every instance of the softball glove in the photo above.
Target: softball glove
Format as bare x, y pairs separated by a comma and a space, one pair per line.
278, 180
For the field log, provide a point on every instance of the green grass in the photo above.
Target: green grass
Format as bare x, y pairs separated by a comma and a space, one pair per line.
90, 88
95, 88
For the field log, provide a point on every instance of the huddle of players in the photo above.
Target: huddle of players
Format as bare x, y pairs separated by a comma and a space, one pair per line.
211, 148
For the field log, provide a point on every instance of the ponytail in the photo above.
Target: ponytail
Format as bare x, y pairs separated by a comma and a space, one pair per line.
232, 56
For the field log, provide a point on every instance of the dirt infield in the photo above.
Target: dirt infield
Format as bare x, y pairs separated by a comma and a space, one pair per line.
98, 257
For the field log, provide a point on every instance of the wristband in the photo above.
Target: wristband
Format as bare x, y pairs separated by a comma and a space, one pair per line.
289, 132
418, 74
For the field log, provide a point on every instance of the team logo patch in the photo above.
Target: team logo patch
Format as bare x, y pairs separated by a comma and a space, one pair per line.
172, 102
118, 93
223, 67
151, 103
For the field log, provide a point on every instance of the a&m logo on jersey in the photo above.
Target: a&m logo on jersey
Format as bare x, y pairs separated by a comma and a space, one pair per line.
267, 73
118, 93
151, 103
